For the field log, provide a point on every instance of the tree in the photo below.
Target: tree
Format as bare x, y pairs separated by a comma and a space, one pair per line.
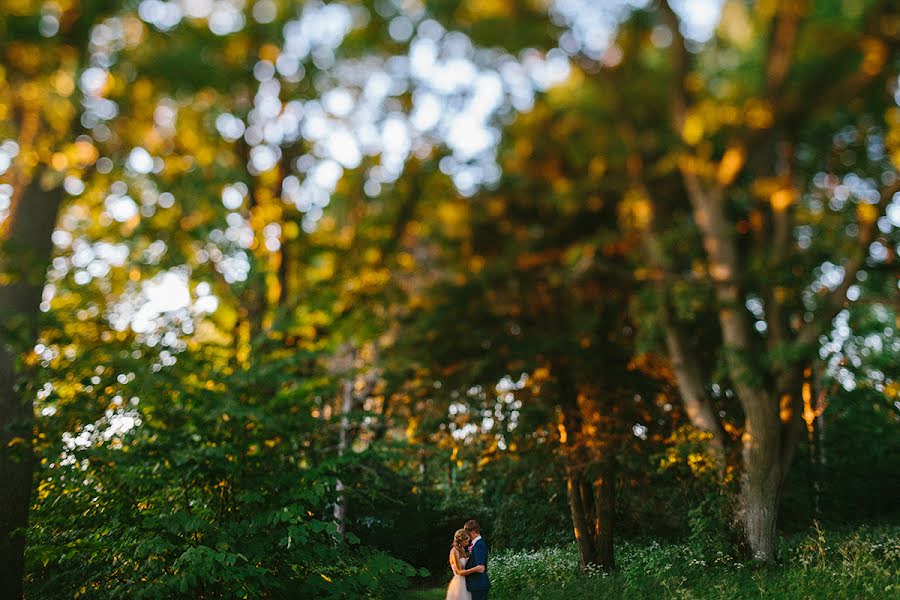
33, 94
316, 272
525, 313
127, 112
752, 251
722, 153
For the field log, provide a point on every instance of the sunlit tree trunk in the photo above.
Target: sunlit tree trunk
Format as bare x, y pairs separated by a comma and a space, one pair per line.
813, 470
581, 523
591, 503
592, 509
575, 463
24, 257
821, 463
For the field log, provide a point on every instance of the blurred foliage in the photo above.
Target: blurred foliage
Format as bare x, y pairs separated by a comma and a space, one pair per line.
266, 367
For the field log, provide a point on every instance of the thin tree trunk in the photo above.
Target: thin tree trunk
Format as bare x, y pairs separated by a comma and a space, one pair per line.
590, 507
423, 473
351, 399
340, 507
575, 463
688, 377
605, 494
696, 401
820, 463
23, 259
580, 522
812, 471
814, 416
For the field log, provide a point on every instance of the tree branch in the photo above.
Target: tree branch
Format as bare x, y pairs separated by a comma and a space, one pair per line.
779, 249
721, 250
688, 376
679, 67
781, 46
827, 84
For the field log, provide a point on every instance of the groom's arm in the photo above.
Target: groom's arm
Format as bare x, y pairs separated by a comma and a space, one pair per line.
479, 553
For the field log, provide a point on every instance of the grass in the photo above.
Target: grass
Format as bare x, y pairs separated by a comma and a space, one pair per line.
424, 594
864, 563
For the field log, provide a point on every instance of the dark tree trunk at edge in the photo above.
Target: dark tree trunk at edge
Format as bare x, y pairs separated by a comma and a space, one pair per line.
24, 256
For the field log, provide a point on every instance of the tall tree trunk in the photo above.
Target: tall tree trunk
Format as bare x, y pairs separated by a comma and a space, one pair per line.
761, 483
768, 446
762, 441
24, 257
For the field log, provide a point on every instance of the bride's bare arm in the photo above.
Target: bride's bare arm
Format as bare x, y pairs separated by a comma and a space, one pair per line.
454, 563
457, 568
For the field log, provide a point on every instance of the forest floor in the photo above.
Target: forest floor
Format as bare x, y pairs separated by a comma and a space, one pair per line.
424, 594
863, 562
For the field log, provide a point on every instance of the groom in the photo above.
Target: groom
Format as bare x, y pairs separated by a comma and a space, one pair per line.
477, 583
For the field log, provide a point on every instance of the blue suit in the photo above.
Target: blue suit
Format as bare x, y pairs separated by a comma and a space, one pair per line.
478, 583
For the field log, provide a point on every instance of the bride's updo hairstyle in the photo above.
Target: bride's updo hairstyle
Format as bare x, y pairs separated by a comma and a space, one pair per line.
460, 541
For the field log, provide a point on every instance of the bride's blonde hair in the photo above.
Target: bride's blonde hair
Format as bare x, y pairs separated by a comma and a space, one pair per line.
460, 540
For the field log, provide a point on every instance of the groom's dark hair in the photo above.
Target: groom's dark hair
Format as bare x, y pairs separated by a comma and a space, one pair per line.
472, 525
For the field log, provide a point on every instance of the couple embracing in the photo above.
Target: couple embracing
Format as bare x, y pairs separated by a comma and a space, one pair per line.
468, 559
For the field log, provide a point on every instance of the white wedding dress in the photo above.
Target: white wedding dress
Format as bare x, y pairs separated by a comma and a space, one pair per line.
457, 589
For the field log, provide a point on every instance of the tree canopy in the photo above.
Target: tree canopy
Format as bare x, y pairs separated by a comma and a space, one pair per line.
290, 290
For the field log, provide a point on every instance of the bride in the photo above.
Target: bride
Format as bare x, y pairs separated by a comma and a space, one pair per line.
458, 559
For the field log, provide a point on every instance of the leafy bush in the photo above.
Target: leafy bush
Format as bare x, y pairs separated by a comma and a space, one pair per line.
527, 500
218, 494
712, 534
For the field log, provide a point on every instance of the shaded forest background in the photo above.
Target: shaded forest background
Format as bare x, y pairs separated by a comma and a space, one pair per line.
290, 290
